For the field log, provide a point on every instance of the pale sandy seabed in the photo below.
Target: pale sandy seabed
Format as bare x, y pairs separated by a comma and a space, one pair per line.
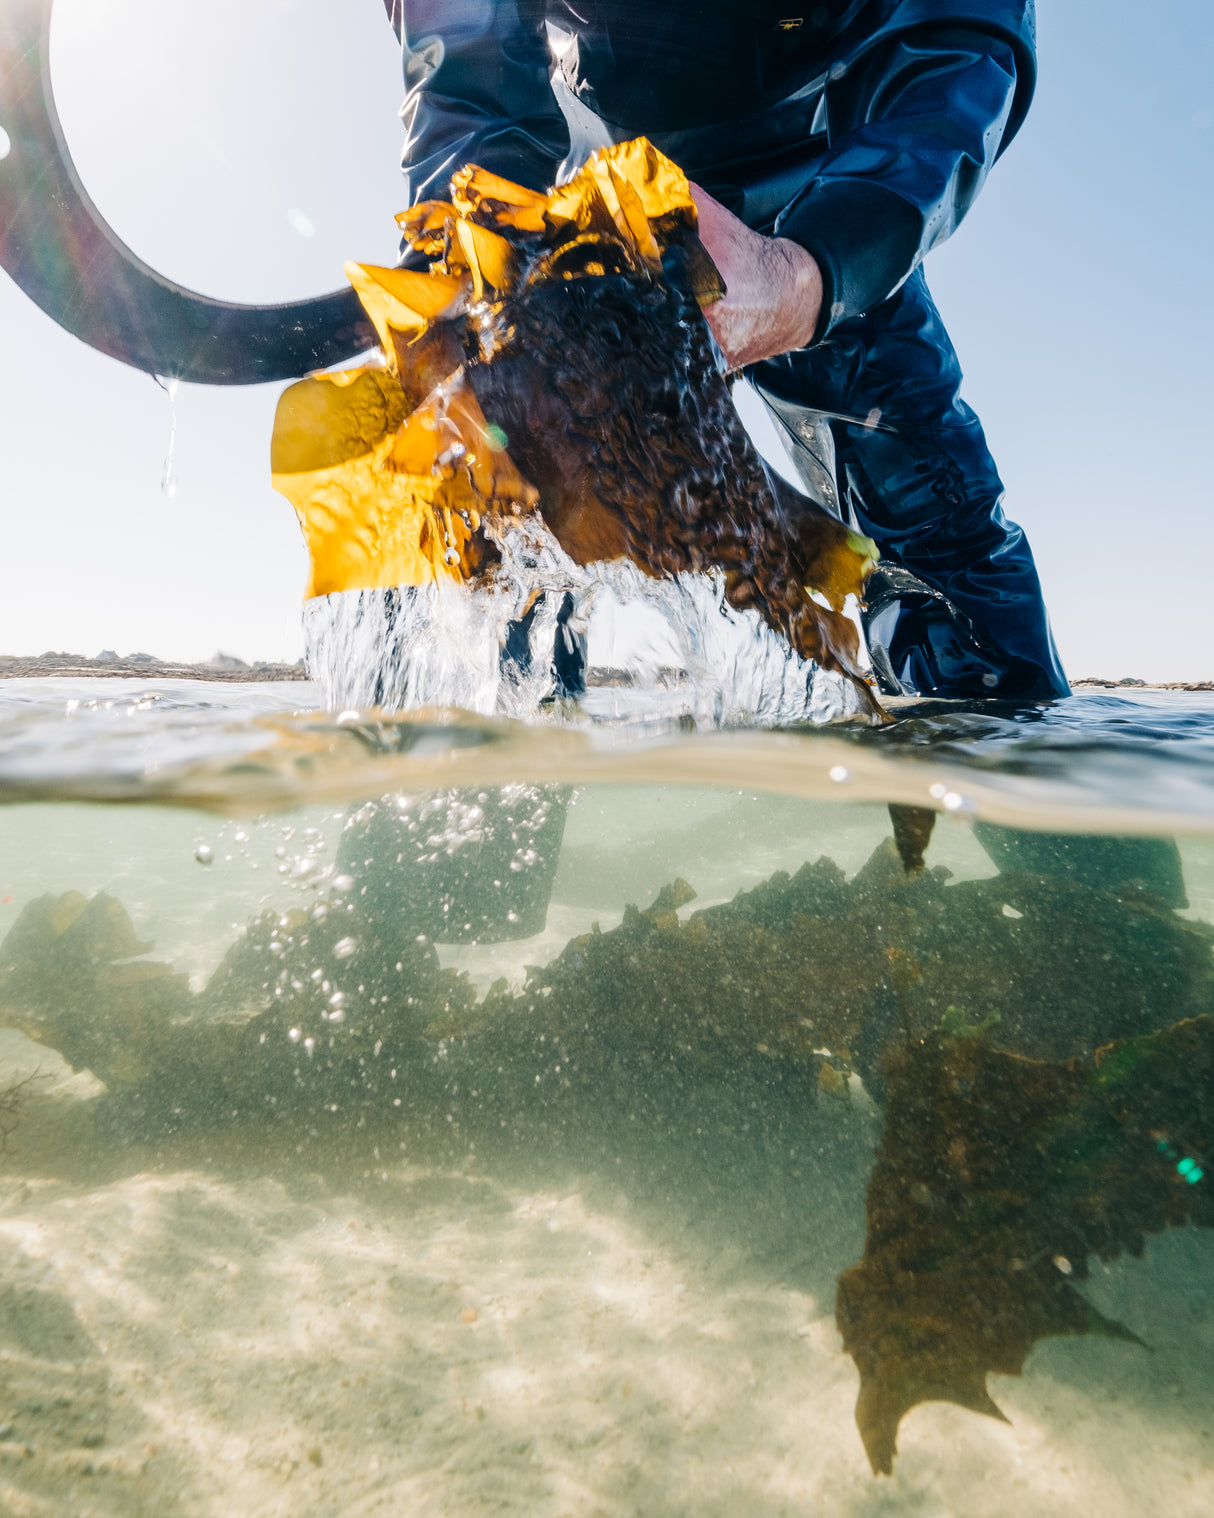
242, 1331
624, 1321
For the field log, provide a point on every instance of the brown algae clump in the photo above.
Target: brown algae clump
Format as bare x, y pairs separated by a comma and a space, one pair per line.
997, 1179
546, 367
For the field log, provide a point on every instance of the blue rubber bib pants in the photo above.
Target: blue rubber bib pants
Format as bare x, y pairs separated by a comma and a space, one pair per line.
915, 473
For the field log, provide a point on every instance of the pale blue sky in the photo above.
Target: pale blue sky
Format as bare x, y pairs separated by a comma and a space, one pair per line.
215, 133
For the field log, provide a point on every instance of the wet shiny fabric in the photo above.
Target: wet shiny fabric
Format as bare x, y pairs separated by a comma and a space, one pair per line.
914, 470
863, 131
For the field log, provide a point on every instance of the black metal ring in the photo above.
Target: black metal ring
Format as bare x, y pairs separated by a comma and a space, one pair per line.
57, 246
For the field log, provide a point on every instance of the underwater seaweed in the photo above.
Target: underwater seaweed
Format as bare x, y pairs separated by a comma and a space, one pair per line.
549, 368
71, 978
1035, 1115
13, 1099
913, 827
797, 965
997, 1179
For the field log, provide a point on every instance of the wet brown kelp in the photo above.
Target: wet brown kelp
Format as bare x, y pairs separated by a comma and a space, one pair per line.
913, 827
997, 1180
548, 369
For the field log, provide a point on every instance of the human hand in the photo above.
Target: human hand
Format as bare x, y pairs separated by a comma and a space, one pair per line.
773, 287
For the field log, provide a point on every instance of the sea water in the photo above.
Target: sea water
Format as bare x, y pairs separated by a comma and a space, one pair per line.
446, 1115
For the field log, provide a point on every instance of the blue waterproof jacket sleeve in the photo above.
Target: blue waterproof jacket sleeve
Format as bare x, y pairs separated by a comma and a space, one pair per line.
913, 133
477, 89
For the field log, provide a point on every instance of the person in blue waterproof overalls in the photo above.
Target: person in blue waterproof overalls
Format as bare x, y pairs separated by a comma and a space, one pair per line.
831, 145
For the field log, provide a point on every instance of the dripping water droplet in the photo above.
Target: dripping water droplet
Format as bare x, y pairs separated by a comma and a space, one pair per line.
168, 482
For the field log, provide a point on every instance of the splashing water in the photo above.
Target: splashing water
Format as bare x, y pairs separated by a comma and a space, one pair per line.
496, 647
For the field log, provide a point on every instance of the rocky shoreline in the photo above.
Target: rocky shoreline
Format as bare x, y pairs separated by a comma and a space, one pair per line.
228, 667
1094, 684
141, 667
